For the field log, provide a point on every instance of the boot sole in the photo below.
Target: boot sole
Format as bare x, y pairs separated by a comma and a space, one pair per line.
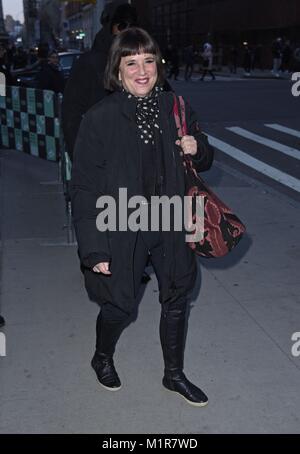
194, 404
103, 386
108, 388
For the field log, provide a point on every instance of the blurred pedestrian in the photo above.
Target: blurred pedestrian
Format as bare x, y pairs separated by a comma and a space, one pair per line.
277, 55
189, 56
173, 57
286, 57
130, 139
207, 56
247, 63
50, 76
257, 58
233, 57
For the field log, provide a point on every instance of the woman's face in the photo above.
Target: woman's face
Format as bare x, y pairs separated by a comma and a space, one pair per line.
138, 73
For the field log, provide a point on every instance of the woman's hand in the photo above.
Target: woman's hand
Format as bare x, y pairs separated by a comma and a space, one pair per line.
188, 144
102, 267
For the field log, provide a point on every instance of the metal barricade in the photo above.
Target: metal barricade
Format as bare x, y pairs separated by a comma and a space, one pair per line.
65, 171
30, 122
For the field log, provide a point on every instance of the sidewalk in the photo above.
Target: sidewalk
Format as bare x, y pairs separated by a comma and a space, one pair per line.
240, 327
254, 74
224, 72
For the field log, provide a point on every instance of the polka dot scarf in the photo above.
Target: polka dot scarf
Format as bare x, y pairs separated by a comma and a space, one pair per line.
147, 115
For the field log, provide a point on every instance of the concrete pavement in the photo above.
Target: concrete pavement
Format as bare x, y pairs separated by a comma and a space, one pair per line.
240, 327
223, 73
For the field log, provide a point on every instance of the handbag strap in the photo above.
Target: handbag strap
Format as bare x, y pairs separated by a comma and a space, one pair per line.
180, 120
179, 115
183, 118
176, 116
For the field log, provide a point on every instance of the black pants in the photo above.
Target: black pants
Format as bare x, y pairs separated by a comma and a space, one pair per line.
112, 320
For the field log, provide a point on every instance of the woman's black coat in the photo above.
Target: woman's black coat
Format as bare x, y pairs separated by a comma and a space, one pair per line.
107, 157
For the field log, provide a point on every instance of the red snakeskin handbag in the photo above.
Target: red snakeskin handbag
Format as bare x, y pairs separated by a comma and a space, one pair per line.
222, 228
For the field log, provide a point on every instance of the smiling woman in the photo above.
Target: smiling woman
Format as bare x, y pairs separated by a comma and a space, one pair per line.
138, 73
134, 59
129, 141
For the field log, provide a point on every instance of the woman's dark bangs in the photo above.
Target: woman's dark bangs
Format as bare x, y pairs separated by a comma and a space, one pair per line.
134, 46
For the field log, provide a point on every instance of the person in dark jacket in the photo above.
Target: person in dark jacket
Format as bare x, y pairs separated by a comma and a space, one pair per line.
129, 141
50, 76
85, 84
172, 58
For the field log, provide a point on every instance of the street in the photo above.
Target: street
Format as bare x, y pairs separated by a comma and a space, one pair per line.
244, 313
254, 125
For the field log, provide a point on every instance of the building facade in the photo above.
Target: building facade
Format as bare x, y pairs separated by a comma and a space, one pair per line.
49, 14
224, 22
3, 32
31, 22
9, 23
13, 27
81, 22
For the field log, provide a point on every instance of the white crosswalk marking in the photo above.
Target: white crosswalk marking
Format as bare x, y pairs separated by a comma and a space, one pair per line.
255, 164
292, 132
293, 152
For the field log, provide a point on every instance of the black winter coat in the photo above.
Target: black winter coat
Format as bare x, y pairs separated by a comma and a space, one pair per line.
107, 157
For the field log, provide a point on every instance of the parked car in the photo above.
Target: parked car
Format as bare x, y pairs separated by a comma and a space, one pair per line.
27, 77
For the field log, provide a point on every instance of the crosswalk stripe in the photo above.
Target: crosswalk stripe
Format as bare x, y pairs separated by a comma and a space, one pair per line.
292, 132
293, 152
255, 164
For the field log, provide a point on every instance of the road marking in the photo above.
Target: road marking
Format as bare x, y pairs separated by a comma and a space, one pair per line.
293, 152
292, 132
259, 166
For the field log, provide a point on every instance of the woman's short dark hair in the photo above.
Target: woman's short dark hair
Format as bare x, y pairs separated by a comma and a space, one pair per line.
131, 41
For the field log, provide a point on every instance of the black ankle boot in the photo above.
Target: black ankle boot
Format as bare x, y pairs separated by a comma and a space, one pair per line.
182, 386
108, 332
107, 375
172, 336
